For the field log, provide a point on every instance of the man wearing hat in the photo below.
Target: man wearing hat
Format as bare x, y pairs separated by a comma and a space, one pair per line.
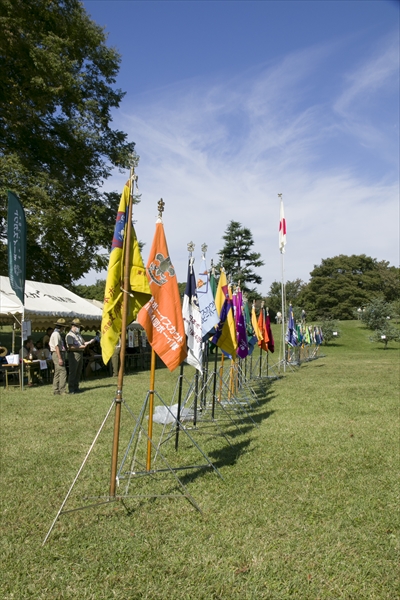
75, 345
57, 349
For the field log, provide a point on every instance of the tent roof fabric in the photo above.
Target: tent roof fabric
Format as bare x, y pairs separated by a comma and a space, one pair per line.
44, 304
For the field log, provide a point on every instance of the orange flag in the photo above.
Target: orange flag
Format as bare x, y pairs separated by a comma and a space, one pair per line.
162, 317
263, 343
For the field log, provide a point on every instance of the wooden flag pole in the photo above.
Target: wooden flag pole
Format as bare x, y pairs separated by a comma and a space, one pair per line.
125, 309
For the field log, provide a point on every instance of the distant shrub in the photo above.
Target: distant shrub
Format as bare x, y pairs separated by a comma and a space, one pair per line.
330, 330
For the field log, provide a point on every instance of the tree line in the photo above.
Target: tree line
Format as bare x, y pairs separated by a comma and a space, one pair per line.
338, 289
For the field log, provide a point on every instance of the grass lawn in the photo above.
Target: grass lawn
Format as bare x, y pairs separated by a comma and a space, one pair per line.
307, 506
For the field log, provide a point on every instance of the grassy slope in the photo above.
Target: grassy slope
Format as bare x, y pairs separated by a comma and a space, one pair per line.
308, 507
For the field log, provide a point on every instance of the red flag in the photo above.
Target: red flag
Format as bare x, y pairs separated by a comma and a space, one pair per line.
271, 343
282, 229
262, 325
161, 317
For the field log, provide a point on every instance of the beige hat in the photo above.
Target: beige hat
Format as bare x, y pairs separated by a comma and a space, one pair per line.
3, 351
60, 323
76, 323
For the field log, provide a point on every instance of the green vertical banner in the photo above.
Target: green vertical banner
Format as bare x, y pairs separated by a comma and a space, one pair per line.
16, 226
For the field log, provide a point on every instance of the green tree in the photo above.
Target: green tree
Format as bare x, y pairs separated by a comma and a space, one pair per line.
91, 292
340, 285
182, 288
330, 330
376, 314
293, 290
238, 259
385, 334
56, 141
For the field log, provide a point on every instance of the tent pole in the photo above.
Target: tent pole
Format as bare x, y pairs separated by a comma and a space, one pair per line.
22, 347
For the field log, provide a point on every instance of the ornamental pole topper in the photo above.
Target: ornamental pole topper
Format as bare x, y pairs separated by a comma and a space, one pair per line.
160, 205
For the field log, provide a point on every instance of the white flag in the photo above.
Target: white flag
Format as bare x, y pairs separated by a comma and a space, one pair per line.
192, 321
208, 310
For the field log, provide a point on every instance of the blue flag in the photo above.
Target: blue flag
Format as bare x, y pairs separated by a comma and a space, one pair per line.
291, 336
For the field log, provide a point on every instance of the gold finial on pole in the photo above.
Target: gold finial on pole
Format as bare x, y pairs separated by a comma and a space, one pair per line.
280, 196
133, 161
160, 205
191, 247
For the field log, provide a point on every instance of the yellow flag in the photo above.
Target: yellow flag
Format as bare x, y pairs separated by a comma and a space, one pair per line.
254, 322
225, 337
111, 324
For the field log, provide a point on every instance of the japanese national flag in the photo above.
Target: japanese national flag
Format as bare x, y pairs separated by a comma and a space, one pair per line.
282, 229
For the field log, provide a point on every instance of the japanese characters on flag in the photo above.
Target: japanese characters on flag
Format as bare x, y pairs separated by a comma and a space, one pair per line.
161, 317
205, 296
192, 321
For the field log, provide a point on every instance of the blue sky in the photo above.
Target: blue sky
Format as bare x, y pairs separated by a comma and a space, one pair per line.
231, 103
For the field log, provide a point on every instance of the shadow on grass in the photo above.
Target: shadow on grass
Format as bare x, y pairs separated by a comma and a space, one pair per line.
83, 388
259, 417
385, 349
222, 457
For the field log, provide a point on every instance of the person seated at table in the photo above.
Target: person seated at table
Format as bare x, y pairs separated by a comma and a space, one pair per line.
46, 338
91, 358
28, 352
3, 354
96, 343
42, 352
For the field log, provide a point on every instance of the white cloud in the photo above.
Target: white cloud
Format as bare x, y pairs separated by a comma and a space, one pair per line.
221, 151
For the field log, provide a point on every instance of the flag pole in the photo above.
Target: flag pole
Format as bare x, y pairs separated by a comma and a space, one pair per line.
282, 346
125, 308
161, 205
190, 248
283, 313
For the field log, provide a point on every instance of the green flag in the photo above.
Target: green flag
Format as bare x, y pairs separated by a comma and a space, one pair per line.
16, 245
213, 283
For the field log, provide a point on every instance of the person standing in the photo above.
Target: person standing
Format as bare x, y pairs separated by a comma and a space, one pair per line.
115, 362
75, 345
57, 349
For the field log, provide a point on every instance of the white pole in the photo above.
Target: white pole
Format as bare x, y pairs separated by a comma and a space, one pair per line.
282, 242
22, 347
283, 311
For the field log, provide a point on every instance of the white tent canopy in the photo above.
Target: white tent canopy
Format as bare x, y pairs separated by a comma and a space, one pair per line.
44, 304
